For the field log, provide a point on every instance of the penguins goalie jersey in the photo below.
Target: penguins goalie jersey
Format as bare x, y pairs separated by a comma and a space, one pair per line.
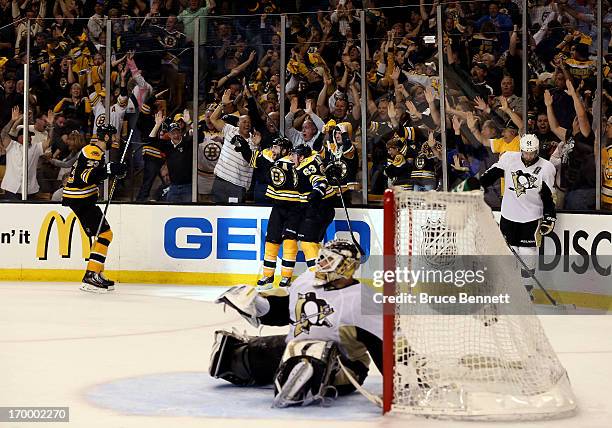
523, 185
326, 314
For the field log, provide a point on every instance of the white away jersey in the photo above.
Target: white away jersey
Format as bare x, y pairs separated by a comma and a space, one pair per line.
522, 186
330, 315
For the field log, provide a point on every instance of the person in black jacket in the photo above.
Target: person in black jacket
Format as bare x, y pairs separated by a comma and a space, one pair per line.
178, 152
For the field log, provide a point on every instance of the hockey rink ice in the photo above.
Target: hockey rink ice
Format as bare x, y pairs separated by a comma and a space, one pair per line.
138, 357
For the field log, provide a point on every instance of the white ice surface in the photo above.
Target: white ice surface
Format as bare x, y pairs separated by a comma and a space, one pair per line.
139, 358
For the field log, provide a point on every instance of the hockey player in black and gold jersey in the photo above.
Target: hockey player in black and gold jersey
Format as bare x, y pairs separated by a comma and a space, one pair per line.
317, 196
278, 171
81, 194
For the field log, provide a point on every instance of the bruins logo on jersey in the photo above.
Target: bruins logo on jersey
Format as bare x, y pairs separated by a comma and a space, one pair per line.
311, 311
343, 168
278, 176
420, 162
523, 181
439, 243
100, 119
212, 152
63, 83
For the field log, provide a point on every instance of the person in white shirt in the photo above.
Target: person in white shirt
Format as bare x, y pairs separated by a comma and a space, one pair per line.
528, 209
233, 174
311, 124
11, 183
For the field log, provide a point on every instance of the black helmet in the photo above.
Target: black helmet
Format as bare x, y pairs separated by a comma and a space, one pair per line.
104, 130
284, 143
302, 150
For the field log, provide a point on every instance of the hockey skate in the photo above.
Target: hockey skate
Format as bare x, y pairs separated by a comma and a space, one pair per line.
265, 283
94, 283
111, 283
285, 281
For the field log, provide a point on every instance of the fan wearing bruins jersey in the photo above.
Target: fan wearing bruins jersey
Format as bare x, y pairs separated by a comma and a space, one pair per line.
426, 162
323, 308
400, 162
278, 171
528, 209
317, 196
340, 157
81, 194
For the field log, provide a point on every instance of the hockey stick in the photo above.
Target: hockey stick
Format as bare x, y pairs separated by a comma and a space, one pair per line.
539, 284
348, 219
112, 189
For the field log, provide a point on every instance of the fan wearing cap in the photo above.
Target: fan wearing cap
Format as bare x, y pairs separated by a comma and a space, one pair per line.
528, 209
178, 152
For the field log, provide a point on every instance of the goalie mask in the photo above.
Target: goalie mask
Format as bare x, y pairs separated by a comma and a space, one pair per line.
337, 259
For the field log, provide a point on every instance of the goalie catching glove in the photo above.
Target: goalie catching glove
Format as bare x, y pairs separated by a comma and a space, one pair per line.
547, 224
246, 301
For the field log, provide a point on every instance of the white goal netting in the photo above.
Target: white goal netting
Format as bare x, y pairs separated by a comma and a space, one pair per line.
489, 361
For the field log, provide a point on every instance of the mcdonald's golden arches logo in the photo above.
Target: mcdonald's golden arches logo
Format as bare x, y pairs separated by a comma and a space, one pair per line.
65, 227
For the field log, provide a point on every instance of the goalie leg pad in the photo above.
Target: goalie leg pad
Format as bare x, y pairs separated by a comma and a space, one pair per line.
306, 374
244, 360
228, 360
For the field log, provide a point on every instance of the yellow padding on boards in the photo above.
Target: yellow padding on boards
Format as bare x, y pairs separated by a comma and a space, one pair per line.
290, 249
270, 255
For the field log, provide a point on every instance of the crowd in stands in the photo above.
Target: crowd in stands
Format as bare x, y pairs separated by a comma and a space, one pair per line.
238, 86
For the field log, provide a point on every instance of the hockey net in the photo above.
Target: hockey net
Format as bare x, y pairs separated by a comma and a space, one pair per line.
491, 362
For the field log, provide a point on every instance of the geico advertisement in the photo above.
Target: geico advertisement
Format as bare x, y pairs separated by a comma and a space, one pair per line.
159, 238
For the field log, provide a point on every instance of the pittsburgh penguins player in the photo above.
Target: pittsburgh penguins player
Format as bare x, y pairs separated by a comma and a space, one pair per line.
278, 171
528, 209
327, 325
317, 198
81, 194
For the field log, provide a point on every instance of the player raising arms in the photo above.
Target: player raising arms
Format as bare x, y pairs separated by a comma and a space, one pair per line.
323, 308
285, 216
81, 194
528, 209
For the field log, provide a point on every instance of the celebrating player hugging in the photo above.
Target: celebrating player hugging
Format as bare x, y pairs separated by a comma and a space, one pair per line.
327, 327
528, 209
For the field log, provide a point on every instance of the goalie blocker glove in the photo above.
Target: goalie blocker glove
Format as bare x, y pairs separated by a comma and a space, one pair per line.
116, 169
547, 224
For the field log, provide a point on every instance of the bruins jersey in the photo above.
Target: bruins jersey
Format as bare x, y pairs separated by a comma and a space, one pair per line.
399, 170
606, 184
425, 163
87, 172
311, 174
347, 161
282, 186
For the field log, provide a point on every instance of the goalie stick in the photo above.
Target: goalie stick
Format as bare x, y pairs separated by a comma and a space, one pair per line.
113, 185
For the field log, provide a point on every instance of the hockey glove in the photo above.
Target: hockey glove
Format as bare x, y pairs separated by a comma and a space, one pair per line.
116, 169
237, 141
547, 224
333, 171
315, 196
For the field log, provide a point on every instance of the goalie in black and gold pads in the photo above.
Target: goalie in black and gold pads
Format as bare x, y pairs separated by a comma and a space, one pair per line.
327, 327
81, 194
